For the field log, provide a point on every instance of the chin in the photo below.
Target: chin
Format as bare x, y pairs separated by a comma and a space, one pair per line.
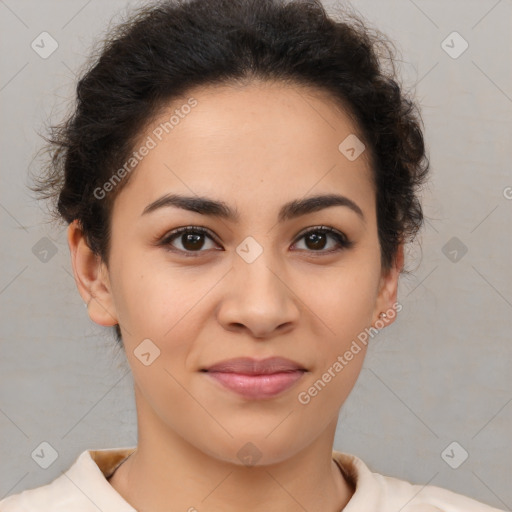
256, 450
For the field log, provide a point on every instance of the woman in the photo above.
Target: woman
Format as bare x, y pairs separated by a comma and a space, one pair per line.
240, 179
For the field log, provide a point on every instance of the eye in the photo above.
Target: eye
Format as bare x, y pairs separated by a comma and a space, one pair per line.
316, 239
191, 239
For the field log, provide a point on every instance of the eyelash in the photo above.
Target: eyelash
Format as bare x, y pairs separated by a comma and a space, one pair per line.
343, 242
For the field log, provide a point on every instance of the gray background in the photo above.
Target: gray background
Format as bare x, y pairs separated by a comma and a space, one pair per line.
440, 374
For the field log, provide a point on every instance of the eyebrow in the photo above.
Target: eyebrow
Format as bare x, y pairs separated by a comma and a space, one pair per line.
290, 210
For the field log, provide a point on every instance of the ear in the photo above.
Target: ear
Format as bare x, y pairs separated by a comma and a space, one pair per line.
387, 293
91, 277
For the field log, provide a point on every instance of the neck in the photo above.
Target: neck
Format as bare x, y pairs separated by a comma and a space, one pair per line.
166, 471
265, 490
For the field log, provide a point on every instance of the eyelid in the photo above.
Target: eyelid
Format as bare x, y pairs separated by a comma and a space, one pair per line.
326, 229
342, 239
166, 239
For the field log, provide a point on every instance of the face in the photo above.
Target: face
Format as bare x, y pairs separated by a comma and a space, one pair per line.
301, 281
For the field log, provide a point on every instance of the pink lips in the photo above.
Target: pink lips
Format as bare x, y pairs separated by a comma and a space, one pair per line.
256, 379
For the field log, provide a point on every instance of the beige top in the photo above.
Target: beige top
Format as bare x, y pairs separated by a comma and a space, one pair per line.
84, 488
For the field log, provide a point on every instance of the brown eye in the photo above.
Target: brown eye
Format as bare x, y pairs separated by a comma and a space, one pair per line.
192, 241
317, 239
191, 238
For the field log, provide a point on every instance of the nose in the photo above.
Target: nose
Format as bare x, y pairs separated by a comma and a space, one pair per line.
259, 299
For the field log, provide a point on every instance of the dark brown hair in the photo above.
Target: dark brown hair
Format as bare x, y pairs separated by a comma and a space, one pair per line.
164, 49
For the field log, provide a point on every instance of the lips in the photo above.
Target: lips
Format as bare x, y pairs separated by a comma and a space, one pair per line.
255, 379
249, 366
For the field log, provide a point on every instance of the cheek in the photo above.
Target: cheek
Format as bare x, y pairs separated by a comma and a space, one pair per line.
344, 310
348, 304
151, 297
344, 298
325, 391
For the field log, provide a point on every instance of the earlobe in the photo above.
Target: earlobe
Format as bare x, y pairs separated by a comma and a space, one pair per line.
91, 278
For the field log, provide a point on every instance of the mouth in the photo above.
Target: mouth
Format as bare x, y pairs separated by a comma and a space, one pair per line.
256, 379
251, 366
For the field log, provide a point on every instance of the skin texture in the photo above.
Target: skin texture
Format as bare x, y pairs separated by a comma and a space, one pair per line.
254, 147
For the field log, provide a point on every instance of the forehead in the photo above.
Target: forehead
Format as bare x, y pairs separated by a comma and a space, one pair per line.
253, 143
